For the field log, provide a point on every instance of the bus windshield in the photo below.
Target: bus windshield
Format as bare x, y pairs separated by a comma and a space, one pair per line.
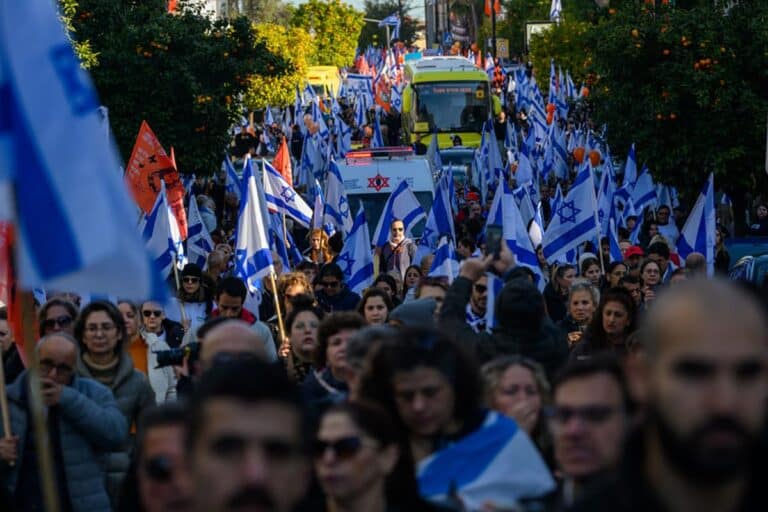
452, 106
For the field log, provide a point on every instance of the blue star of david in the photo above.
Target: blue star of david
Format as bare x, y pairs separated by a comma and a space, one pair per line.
600, 215
244, 267
345, 261
426, 235
568, 205
288, 194
343, 207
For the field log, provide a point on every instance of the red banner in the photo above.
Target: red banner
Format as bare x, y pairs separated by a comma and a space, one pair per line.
282, 162
148, 166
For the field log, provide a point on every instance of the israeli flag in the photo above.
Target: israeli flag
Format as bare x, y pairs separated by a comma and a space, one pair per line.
253, 260
337, 212
605, 203
497, 463
282, 198
161, 234
433, 154
613, 242
575, 220
630, 169
396, 97
510, 138
317, 212
516, 235
644, 192
268, 118
489, 65
277, 240
439, 221
199, 242
343, 138
393, 20
445, 262
378, 139
232, 185
698, 234
356, 258
401, 205
495, 284
75, 220
634, 236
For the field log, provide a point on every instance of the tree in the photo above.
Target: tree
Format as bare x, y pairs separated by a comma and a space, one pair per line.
334, 27
292, 44
513, 27
373, 35
690, 87
181, 73
262, 11
566, 43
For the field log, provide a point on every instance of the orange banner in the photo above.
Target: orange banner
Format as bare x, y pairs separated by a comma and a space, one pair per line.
282, 162
148, 166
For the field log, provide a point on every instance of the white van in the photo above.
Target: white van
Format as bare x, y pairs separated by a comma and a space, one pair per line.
371, 175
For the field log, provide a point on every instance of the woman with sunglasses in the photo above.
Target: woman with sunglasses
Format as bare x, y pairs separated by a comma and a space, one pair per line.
194, 298
101, 335
57, 315
363, 463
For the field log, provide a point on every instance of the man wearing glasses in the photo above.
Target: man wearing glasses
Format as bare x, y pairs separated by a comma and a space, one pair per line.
153, 320
84, 423
399, 252
588, 421
478, 303
334, 294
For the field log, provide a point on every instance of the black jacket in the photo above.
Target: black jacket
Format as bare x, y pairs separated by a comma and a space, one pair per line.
174, 333
519, 332
556, 303
12, 364
629, 491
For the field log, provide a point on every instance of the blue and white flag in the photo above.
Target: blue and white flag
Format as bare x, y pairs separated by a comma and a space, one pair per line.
396, 97
630, 170
613, 242
445, 262
356, 258
277, 240
232, 184
402, 205
360, 119
337, 212
439, 221
516, 235
698, 234
253, 259
343, 137
199, 242
644, 192
377, 141
489, 65
433, 154
281, 197
497, 463
605, 203
495, 284
317, 212
75, 220
575, 220
393, 20
161, 234
268, 118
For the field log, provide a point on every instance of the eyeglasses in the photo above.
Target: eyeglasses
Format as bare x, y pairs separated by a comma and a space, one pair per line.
330, 284
344, 448
158, 469
95, 328
481, 288
593, 414
46, 365
191, 279
62, 321
398, 229
157, 313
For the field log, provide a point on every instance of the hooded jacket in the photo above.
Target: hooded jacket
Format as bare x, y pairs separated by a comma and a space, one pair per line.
523, 329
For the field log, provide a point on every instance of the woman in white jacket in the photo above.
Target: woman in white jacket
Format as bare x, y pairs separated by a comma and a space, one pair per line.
142, 348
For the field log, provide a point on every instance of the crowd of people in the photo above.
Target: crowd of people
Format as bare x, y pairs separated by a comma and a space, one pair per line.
639, 388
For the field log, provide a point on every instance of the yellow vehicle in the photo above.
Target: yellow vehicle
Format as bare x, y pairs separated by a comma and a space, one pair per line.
325, 80
447, 95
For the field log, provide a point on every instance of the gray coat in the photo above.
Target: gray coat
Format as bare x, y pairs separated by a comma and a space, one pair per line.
90, 424
133, 394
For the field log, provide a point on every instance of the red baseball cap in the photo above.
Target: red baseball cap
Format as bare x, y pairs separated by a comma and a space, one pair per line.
633, 250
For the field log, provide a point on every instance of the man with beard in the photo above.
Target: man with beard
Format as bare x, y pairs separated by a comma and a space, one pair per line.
247, 439
703, 377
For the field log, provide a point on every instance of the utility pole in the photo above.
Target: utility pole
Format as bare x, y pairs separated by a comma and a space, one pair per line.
493, 31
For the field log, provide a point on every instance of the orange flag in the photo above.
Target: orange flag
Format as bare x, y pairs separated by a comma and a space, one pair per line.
148, 165
9, 292
487, 7
282, 162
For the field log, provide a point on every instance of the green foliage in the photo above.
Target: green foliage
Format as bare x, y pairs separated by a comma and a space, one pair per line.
690, 87
181, 73
334, 26
566, 43
88, 58
292, 44
517, 13
372, 35
261, 11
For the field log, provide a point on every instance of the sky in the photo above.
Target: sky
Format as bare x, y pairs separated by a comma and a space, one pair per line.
417, 12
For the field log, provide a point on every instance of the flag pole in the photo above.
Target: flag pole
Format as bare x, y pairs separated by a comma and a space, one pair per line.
280, 325
285, 232
178, 287
44, 458
4, 406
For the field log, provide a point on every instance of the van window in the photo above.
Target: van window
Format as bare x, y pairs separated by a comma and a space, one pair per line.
374, 206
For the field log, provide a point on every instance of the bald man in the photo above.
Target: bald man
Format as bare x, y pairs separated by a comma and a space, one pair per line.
84, 424
696, 264
230, 338
702, 375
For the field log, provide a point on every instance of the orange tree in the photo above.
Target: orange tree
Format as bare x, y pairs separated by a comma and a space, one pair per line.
689, 85
183, 73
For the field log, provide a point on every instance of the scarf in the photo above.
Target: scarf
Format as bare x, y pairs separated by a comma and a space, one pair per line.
104, 373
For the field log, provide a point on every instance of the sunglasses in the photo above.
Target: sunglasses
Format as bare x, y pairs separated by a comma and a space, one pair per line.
191, 279
156, 313
61, 321
593, 414
344, 448
330, 284
158, 469
481, 288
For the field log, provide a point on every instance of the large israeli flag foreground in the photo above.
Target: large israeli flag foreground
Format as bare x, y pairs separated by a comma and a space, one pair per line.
76, 222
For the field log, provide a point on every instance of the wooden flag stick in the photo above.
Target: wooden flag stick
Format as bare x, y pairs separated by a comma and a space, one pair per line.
44, 458
280, 325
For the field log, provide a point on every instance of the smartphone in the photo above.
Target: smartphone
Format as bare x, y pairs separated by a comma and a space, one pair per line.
493, 235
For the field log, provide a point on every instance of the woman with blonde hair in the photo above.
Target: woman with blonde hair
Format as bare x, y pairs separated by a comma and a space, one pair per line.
318, 251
